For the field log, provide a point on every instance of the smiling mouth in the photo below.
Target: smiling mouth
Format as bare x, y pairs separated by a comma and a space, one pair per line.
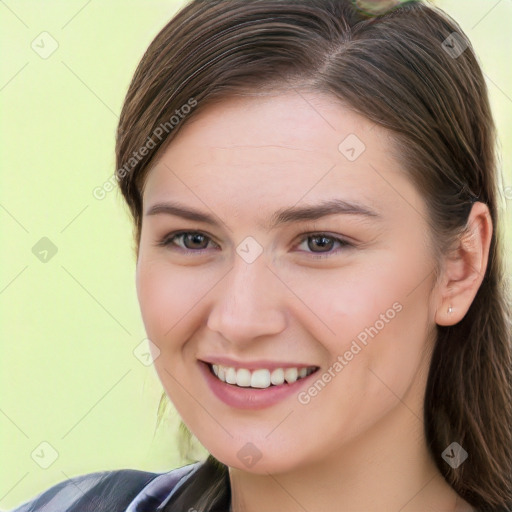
261, 378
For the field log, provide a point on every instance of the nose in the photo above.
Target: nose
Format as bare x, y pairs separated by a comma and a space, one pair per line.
248, 303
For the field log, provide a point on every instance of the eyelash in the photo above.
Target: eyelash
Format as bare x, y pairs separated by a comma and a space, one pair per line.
168, 239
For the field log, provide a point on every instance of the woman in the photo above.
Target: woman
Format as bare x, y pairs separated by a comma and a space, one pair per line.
319, 262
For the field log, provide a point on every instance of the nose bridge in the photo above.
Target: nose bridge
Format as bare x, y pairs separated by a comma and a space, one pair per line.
247, 304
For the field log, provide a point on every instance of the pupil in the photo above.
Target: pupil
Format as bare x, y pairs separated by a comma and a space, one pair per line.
324, 241
195, 238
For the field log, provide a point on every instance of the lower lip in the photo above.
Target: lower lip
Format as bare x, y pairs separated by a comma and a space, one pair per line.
250, 398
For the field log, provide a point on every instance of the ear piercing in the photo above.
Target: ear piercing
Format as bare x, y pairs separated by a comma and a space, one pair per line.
450, 310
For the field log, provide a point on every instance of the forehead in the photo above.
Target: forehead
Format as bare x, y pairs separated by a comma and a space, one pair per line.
285, 122
283, 148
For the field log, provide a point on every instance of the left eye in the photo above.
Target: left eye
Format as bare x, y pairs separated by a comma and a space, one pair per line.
323, 240
197, 242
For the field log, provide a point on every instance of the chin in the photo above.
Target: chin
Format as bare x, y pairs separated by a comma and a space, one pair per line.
258, 461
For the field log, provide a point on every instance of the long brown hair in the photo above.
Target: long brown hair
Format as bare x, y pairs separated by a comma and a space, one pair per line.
411, 70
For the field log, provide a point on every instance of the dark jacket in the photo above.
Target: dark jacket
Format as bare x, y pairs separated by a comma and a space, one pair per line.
124, 490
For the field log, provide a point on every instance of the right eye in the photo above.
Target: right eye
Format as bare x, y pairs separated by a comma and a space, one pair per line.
190, 241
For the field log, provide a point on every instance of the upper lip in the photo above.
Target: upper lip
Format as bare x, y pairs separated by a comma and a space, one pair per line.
255, 364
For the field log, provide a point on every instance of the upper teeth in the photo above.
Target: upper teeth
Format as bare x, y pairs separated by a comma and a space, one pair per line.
260, 378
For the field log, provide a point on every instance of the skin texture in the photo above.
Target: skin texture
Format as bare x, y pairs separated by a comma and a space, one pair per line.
360, 439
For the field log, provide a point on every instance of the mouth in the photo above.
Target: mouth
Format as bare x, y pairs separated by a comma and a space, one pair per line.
260, 378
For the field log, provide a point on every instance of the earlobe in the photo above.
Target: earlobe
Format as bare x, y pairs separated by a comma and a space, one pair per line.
465, 267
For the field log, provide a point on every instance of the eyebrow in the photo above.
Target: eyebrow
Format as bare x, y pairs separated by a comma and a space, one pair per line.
282, 216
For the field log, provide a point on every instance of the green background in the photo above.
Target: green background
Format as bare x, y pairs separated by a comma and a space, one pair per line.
69, 326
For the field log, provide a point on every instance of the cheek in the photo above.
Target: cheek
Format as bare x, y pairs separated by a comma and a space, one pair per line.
164, 296
351, 298
387, 320
167, 298
374, 312
172, 300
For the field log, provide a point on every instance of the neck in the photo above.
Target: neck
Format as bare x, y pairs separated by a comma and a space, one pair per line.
386, 469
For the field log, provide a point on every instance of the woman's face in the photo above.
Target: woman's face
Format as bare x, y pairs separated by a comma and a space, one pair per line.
315, 256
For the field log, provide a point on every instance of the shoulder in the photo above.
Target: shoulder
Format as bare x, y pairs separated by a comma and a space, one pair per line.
123, 490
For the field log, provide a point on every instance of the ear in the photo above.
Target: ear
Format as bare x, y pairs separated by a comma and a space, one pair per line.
464, 268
